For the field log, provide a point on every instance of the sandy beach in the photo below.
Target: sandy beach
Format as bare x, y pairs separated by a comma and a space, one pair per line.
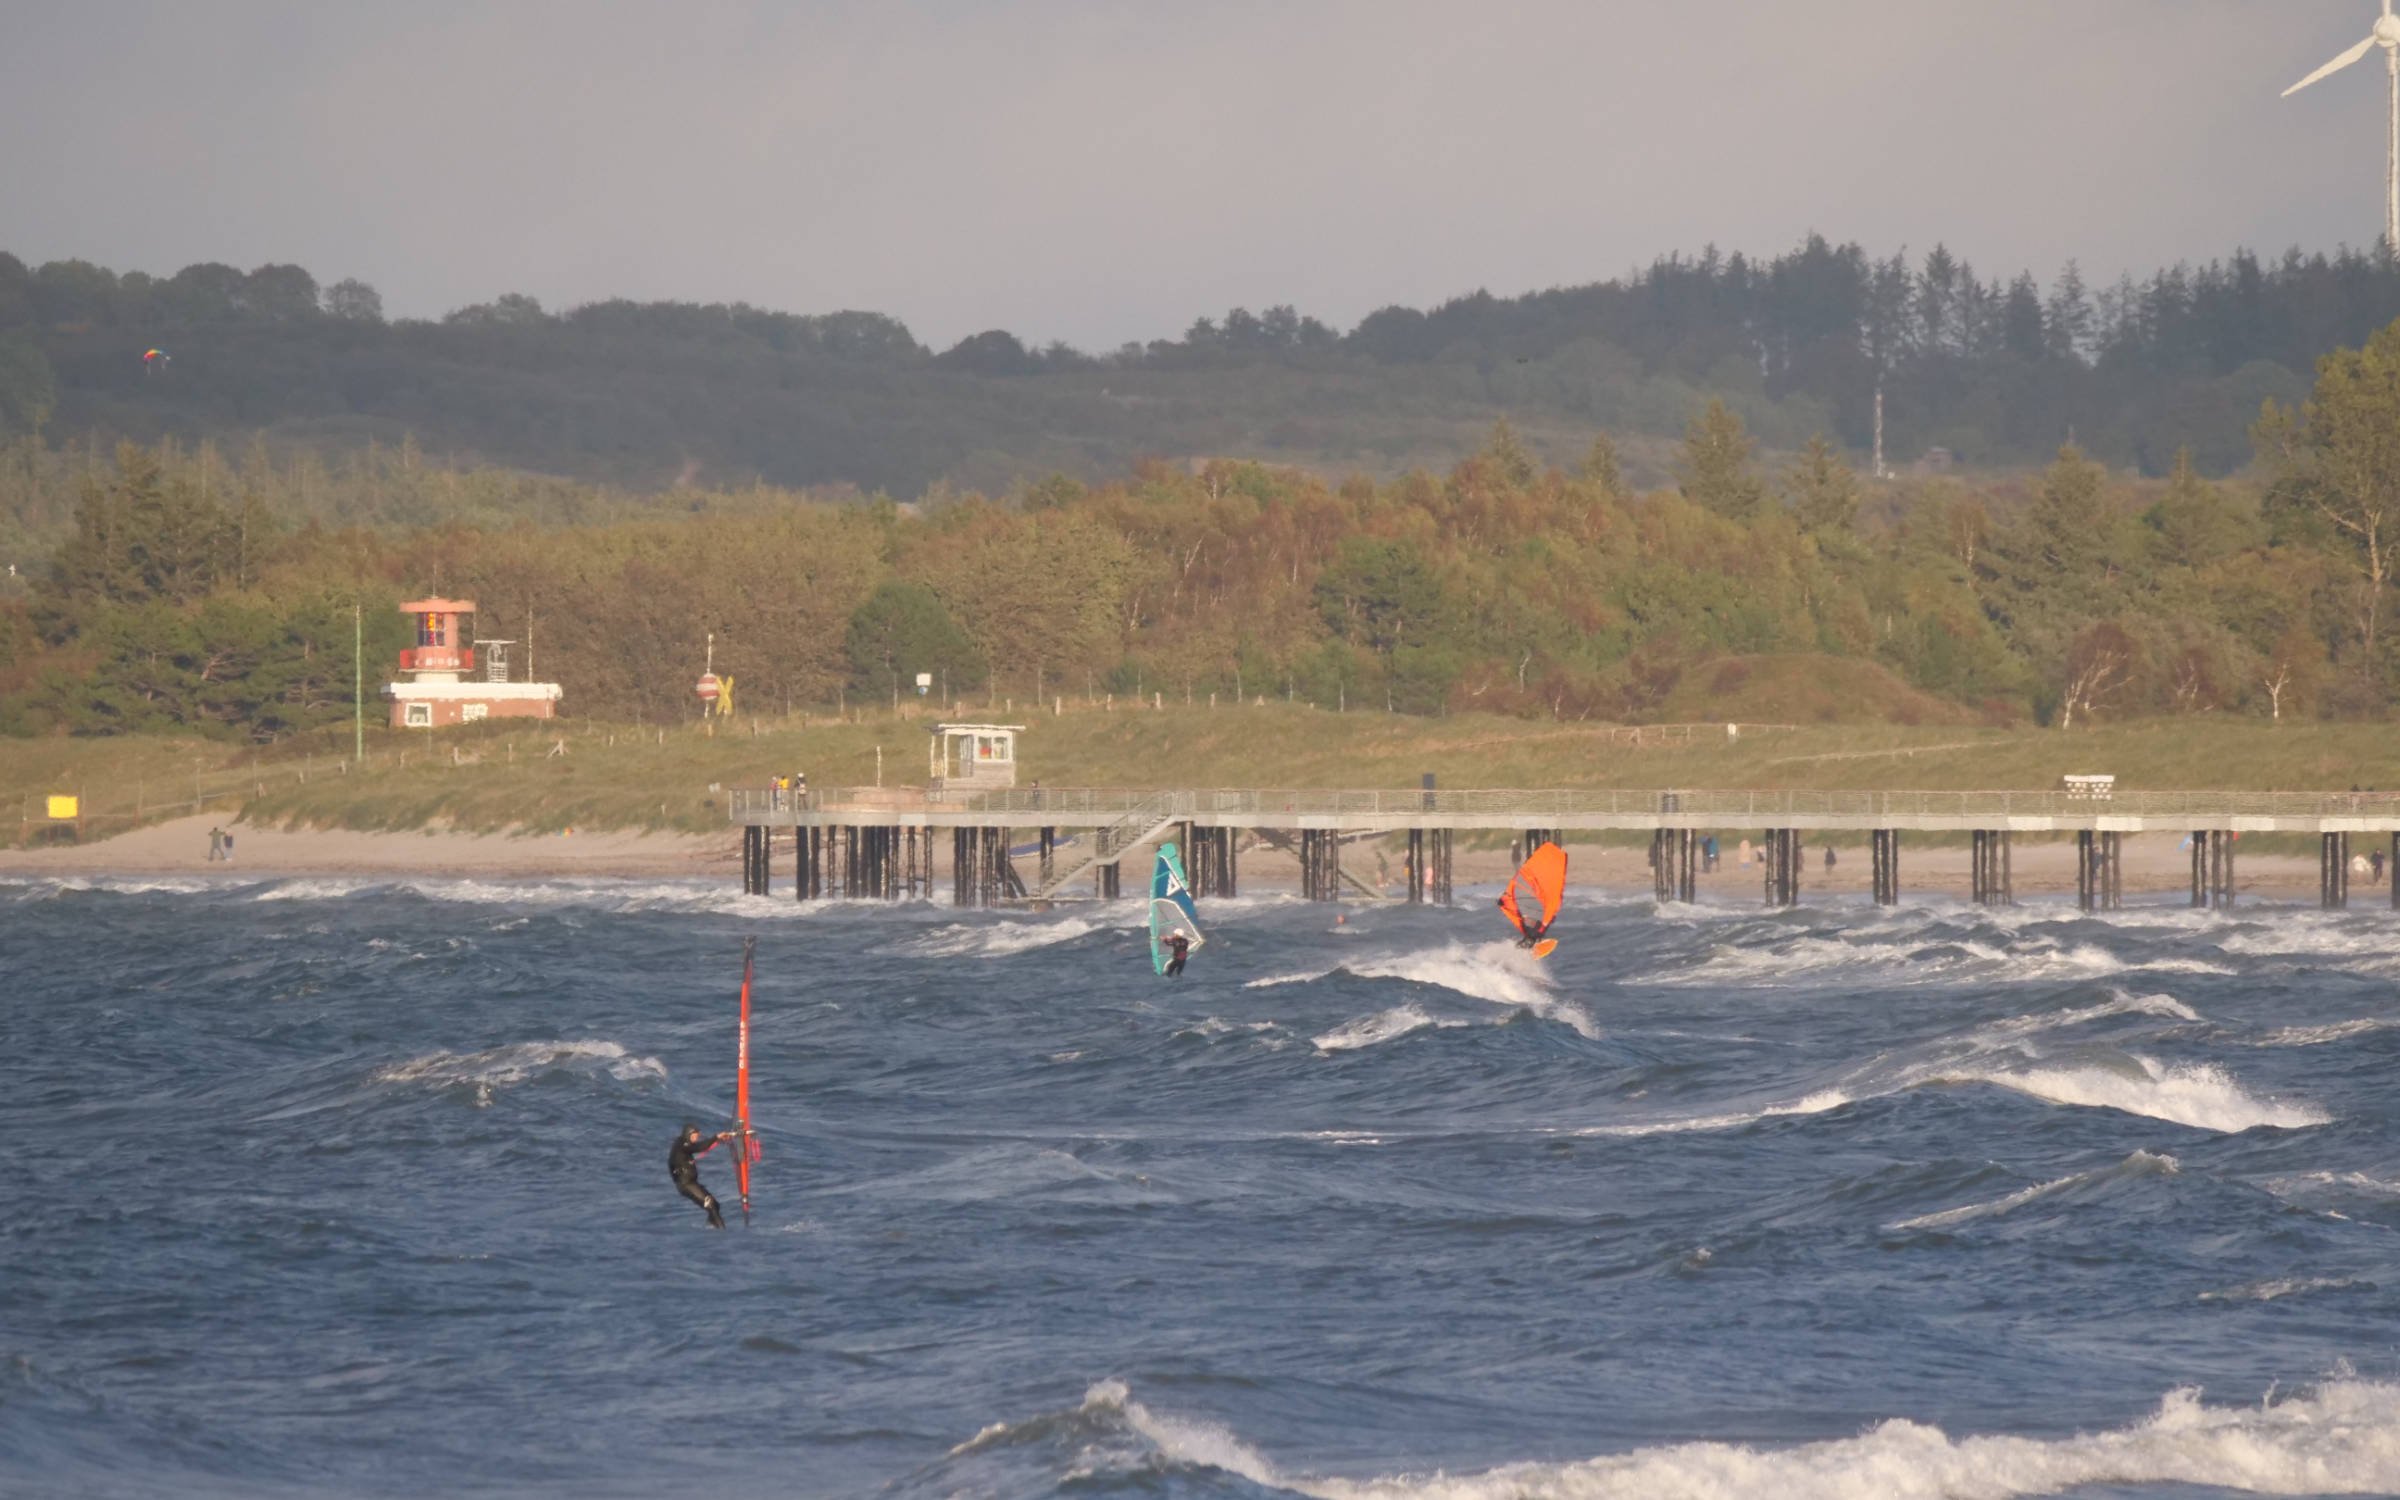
2043, 870
181, 847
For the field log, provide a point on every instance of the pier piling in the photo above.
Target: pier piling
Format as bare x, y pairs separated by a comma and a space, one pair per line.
2333, 871
1675, 864
1782, 855
1886, 855
2212, 867
1994, 876
2099, 870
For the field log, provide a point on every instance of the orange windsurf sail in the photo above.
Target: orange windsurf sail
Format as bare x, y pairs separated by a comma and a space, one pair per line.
1543, 878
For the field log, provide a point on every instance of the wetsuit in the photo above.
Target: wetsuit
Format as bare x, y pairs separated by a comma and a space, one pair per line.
1181, 947
683, 1165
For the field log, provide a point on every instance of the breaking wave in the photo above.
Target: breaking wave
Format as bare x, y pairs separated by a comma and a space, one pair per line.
1495, 973
2343, 1437
2200, 1095
998, 939
2076, 1186
2278, 1288
1811, 958
499, 1067
1383, 1026
2317, 1036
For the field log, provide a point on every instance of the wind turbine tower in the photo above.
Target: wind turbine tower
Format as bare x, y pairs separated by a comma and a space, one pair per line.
2387, 36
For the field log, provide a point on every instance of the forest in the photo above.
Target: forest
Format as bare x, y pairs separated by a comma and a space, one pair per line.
1996, 372
193, 591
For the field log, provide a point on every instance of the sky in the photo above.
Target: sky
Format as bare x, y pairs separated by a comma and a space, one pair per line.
1104, 170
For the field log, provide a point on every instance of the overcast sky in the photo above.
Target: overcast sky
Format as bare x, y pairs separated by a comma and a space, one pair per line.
1103, 170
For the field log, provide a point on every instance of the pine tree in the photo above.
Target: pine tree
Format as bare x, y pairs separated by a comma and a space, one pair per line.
1822, 489
1715, 469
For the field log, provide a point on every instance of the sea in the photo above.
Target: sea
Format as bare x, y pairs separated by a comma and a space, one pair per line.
357, 1188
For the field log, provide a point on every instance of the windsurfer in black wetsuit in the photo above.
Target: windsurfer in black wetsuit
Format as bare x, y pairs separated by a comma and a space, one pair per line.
1529, 934
683, 1165
1179, 943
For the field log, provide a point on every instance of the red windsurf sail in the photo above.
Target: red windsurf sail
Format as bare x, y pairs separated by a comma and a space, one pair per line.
1543, 879
746, 1152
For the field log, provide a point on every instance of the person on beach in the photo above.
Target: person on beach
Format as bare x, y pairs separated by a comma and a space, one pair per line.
1179, 944
228, 855
684, 1166
216, 844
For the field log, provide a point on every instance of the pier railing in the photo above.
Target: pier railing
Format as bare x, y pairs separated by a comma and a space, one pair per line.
1534, 808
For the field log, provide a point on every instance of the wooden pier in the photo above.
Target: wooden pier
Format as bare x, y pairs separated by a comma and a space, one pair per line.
878, 843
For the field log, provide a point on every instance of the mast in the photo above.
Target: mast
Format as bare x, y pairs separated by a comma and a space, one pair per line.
745, 1142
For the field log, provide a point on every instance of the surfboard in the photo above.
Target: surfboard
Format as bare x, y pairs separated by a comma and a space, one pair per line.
1545, 947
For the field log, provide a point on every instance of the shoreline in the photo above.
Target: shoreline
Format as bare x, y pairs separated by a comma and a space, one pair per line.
2153, 863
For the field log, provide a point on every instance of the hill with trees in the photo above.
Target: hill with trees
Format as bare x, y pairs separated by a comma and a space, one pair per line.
644, 396
193, 594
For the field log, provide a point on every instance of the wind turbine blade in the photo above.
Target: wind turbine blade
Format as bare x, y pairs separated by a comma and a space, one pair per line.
2335, 66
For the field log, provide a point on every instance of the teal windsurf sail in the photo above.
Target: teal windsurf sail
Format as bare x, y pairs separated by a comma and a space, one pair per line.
1171, 909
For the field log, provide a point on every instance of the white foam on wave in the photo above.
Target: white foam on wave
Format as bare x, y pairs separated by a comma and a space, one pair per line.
998, 939
2200, 1095
43, 887
1820, 1102
2031, 956
615, 896
2277, 1288
1383, 1026
1495, 973
2139, 1164
1998, 1053
2317, 1036
498, 1067
2341, 1438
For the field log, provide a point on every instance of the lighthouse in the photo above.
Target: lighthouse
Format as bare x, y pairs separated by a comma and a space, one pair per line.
439, 678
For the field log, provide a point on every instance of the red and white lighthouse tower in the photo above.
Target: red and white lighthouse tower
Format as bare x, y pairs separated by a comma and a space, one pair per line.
439, 681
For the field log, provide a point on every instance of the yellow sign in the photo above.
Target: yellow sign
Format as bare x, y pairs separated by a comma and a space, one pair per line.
64, 808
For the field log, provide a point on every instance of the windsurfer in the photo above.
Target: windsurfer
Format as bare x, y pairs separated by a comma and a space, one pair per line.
1179, 944
683, 1165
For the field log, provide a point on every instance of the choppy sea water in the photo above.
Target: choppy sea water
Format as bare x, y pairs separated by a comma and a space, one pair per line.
358, 1189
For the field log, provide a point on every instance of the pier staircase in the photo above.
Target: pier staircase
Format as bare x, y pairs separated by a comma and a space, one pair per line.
1145, 822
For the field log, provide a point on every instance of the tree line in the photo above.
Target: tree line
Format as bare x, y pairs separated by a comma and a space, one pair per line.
1998, 371
193, 593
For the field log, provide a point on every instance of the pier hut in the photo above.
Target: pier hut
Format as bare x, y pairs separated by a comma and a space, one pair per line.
439, 684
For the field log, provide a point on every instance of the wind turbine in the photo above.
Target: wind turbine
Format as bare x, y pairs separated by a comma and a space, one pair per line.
2387, 36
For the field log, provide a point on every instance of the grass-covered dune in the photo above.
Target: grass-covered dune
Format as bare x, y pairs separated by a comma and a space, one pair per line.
498, 778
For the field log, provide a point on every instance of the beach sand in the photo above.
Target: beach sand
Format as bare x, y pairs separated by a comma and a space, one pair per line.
2154, 863
181, 847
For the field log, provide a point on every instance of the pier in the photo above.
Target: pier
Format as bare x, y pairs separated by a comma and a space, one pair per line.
1016, 844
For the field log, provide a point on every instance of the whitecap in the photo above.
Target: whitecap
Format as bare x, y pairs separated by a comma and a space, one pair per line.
2200, 1095
2341, 1438
2139, 1164
1383, 1026
518, 1061
2275, 1289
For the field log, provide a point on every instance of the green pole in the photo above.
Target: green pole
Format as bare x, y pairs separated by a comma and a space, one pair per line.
358, 681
